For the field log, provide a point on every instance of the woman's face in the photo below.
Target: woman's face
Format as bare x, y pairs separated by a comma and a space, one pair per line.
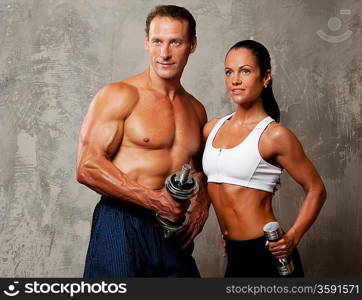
242, 76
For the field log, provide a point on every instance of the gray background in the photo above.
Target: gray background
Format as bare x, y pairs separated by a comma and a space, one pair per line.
55, 55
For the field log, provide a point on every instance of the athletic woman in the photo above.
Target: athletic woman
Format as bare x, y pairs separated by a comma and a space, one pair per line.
245, 154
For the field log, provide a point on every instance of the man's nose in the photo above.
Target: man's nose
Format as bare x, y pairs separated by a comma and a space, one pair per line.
165, 52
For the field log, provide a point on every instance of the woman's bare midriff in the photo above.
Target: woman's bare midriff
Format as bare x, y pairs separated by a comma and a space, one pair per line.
242, 212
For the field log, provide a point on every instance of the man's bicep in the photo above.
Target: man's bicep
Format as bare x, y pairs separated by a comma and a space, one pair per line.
101, 136
102, 129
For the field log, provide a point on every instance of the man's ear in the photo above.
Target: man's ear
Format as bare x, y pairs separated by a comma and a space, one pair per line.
193, 44
146, 43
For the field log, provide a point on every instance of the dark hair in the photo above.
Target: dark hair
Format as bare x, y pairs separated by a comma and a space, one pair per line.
175, 12
261, 53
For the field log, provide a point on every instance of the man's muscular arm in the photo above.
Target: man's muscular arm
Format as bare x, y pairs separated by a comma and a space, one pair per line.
199, 209
100, 137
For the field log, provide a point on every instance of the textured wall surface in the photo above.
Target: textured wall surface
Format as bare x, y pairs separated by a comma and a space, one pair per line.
55, 55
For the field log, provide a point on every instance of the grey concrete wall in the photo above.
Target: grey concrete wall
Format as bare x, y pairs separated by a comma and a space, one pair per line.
55, 55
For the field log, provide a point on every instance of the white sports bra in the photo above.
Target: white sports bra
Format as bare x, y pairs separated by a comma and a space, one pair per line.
241, 165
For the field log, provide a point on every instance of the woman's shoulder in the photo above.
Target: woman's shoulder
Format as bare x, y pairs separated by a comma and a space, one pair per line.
209, 126
277, 131
279, 135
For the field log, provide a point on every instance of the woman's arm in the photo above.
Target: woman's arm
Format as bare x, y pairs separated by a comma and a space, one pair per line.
289, 154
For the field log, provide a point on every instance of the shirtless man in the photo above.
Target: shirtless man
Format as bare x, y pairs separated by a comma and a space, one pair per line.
136, 133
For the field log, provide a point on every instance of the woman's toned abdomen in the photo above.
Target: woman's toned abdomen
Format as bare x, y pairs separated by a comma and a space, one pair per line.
242, 212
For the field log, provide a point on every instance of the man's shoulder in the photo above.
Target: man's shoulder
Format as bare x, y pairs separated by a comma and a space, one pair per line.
120, 92
115, 99
198, 107
120, 89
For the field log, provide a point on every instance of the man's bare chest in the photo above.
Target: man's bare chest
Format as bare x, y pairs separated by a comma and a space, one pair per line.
164, 125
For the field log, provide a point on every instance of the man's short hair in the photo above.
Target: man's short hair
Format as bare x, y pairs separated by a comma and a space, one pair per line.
175, 12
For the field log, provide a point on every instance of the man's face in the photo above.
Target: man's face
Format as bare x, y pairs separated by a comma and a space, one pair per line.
169, 46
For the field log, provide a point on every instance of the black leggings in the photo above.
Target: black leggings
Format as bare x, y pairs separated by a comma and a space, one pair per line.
252, 258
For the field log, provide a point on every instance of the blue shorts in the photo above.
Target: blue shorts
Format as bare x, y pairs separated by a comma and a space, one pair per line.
126, 241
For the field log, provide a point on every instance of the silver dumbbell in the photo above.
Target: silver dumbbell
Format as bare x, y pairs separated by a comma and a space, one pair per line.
274, 233
181, 186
